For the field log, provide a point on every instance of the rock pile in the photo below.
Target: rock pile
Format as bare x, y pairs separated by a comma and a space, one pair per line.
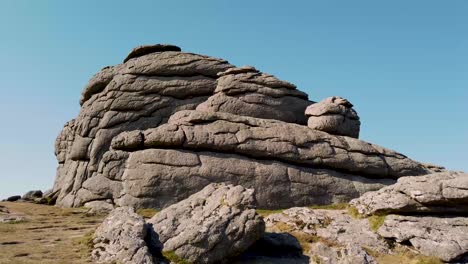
213, 225
139, 141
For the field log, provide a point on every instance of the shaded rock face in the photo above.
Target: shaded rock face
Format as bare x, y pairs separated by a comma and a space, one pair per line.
142, 93
246, 91
123, 237
440, 193
210, 226
334, 115
138, 140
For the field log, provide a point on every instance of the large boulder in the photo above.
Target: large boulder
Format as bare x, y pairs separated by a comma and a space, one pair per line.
248, 92
213, 225
124, 237
32, 195
153, 83
334, 115
439, 193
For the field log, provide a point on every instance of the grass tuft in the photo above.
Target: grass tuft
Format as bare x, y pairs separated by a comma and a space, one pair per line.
376, 221
266, 212
147, 212
336, 206
353, 212
173, 258
402, 255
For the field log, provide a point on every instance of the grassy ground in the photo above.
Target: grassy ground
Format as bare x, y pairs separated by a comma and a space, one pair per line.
49, 235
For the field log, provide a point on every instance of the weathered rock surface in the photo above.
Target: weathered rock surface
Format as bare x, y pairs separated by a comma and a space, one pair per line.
349, 254
248, 92
210, 226
152, 84
443, 237
32, 195
332, 226
138, 140
445, 192
334, 115
123, 238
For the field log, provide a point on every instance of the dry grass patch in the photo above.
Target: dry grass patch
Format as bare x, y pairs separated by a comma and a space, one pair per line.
51, 235
147, 212
402, 255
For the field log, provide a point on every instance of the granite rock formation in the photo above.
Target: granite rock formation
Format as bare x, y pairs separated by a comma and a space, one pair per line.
246, 91
123, 237
139, 141
334, 115
440, 193
427, 212
210, 226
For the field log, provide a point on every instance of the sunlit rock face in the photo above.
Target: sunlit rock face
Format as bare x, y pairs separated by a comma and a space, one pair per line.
166, 123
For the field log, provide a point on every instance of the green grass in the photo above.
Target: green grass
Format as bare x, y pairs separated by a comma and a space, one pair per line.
376, 221
147, 212
336, 206
173, 258
266, 212
353, 212
402, 255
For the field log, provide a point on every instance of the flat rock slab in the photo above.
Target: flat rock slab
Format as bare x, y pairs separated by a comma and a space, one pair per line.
210, 226
445, 192
442, 237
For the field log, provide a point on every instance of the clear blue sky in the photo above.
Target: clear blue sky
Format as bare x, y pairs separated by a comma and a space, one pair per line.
404, 65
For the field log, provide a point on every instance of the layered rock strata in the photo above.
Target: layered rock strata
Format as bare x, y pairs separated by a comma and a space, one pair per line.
334, 115
248, 92
428, 213
141, 93
249, 129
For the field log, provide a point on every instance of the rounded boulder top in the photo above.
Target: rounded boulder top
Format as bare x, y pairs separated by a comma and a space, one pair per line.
147, 49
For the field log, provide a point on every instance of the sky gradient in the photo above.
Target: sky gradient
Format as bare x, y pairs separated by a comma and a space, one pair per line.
403, 64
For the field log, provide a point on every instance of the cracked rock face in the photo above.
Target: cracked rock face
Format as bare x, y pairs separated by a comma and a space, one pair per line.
287, 164
443, 237
445, 192
246, 91
139, 141
212, 225
334, 115
122, 238
141, 93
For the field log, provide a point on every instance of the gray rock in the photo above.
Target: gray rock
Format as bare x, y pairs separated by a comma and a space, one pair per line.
32, 195
147, 49
333, 226
442, 237
349, 254
139, 94
13, 198
445, 192
122, 238
210, 226
248, 92
99, 207
334, 115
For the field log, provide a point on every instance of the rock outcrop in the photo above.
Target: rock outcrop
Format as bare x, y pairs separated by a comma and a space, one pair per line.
427, 212
32, 195
334, 115
138, 140
124, 237
246, 91
141, 93
445, 237
215, 224
440, 193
